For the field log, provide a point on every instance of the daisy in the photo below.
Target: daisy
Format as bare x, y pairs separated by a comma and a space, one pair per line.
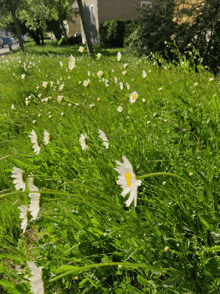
23, 216
92, 105
99, 55
60, 98
127, 180
116, 80
45, 84
133, 97
81, 49
46, 138
17, 174
33, 137
37, 285
120, 108
128, 86
86, 83
23, 76
82, 141
35, 198
124, 72
72, 62
144, 74
125, 65
102, 135
61, 87
119, 56
100, 73
121, 85
61, 64
44, 99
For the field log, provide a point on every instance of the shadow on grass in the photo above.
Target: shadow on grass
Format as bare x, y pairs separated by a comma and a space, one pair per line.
52, 48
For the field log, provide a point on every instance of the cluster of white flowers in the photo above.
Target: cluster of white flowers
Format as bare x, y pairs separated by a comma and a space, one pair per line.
34, 140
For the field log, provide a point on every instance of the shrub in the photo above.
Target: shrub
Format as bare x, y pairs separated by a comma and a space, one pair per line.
202, 32
111, 33
154, 26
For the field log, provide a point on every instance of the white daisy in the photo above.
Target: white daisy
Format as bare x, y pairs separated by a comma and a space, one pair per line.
17, 174
35, 198
60, 98
119, 56
23, 216
37, 285
61, 64
45, 84
144, 74
100, 73
86, 83
99, 55
133, 97
120, 108
33, 137
82, 141
121, 85
116, 80
72, 62
81, 49
46, 138
61, 87
104, 138
127, 180
125, 65
124, 73
23, 76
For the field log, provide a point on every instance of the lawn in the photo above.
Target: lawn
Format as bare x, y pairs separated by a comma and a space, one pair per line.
109, 174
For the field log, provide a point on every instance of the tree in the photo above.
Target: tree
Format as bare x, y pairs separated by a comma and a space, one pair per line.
154, 26
201, 29
85, 28
8, 12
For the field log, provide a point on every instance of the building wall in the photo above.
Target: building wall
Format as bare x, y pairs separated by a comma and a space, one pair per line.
115, 9
74, 27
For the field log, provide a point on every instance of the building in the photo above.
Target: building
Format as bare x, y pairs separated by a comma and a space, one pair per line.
99, 11
74, 26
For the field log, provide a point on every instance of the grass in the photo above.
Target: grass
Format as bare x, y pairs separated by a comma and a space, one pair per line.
84, 237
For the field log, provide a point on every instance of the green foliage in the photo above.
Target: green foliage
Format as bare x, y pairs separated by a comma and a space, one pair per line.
112, 33
85, 237
155, 26
203, 32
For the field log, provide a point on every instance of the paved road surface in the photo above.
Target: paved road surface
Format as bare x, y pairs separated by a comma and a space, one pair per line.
6, 49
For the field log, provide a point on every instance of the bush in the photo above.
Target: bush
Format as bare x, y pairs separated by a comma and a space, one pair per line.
71, 41
203, 33
154, 26
111, 33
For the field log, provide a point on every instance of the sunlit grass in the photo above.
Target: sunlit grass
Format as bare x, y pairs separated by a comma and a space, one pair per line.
168, 128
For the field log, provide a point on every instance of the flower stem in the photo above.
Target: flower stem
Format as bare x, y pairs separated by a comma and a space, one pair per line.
167, 174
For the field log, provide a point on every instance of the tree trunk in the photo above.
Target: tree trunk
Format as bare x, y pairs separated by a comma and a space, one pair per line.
18, 30
64, 32
85, 28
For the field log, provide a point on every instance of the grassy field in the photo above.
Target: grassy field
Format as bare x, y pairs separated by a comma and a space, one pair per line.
87, 237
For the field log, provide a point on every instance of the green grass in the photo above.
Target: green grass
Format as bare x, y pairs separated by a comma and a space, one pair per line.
85, 237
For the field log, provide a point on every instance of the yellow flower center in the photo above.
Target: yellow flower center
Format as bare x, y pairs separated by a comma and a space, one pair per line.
128, 178
134, 97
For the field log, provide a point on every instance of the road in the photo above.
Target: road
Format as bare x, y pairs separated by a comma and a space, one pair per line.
6, 49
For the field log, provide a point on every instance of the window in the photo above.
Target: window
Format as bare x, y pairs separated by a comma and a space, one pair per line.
92, 17
145, 3
75, 6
